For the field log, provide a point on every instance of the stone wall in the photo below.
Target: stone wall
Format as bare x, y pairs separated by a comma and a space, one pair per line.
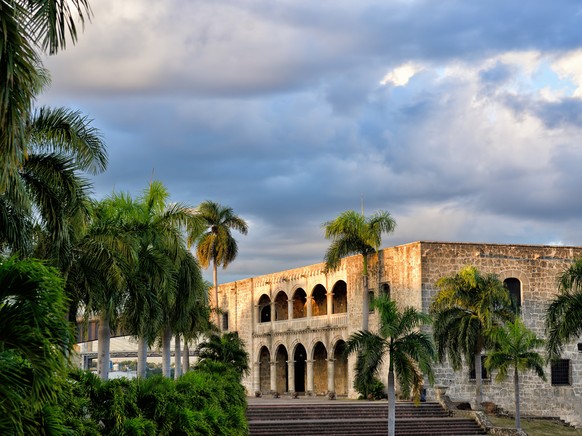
410, 271
537, 268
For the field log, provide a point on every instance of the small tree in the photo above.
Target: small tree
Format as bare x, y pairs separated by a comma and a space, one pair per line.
228, 348
410, 351
514, 348
467, 306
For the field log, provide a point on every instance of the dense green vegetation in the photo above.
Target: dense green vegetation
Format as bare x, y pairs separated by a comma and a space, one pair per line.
208, 401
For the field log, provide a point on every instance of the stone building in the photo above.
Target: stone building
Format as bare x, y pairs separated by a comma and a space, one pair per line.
295, 323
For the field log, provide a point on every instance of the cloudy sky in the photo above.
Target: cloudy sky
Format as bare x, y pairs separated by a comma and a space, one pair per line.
463, 119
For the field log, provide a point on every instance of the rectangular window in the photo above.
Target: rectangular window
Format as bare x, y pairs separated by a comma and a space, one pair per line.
484, 373
370, 299
225, 321
561, 373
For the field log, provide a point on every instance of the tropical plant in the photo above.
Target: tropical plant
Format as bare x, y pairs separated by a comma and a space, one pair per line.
467, 305
47, 197
105, 256
353, 233
166, 282
409, 349
515, 349
228, 348
28, 28
35, 339
217, 245
564, 314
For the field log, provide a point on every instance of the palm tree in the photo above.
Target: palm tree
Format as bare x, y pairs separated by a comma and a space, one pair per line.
48, 193
564, 314
27, 29
467, 305
217, 244
514, 348
35, 339
410, 350
228, 348
100, 275
165, 280
353, 233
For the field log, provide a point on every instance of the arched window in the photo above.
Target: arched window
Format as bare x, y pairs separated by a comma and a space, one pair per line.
264, 308
513, 285
281, 307
299, 303
319, 307
340, 297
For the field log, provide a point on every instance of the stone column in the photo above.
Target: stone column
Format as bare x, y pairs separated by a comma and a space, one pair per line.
309, 377
309, 308
273, 376
330, 375
272, 306
291, 373
290, 308
329, 304
257, 376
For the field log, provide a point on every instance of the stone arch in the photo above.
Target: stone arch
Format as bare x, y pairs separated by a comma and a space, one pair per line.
264, 308
319, 300
299, 303
264, 361
340, 297
319, 357
300, 367
517, 283
340, 373
281, 375
281, 306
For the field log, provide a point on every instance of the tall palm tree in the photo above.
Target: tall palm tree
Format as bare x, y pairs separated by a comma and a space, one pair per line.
353, 233
410, 350
28, 28
217, 245
100, 275
564, 314
467, 305
34, 341
515, 348
186, 299
165, 280
48, 191
227, 348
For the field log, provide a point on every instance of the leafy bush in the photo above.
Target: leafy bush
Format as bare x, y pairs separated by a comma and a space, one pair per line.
209, 401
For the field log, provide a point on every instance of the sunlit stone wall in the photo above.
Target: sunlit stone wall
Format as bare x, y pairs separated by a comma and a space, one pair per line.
410, 272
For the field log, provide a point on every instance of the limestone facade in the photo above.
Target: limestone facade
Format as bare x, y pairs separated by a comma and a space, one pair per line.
295, 323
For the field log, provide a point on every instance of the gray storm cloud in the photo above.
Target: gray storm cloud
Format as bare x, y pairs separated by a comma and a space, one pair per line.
289, 112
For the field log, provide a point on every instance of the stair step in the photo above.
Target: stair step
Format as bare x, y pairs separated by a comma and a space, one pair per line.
353, 419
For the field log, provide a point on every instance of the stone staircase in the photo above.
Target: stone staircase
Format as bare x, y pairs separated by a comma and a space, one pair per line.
302, 418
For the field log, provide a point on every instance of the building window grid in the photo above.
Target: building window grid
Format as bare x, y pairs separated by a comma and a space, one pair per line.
561, 373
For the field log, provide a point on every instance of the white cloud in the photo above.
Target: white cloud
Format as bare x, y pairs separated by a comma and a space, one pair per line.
402, 74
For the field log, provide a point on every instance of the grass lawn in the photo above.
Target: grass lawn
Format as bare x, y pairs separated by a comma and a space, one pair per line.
536, 427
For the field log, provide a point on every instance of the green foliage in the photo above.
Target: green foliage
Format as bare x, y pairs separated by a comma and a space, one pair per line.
467, 305
210, 401
34, 340
564, 314
353, 233
228, 349
409, 350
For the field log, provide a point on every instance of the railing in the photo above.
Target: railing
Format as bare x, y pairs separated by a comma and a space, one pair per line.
314, 323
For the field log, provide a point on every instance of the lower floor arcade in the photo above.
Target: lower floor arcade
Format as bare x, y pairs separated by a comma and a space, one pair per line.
314, 371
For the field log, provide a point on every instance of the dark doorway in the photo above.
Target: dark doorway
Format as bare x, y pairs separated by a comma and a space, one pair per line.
300, 368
